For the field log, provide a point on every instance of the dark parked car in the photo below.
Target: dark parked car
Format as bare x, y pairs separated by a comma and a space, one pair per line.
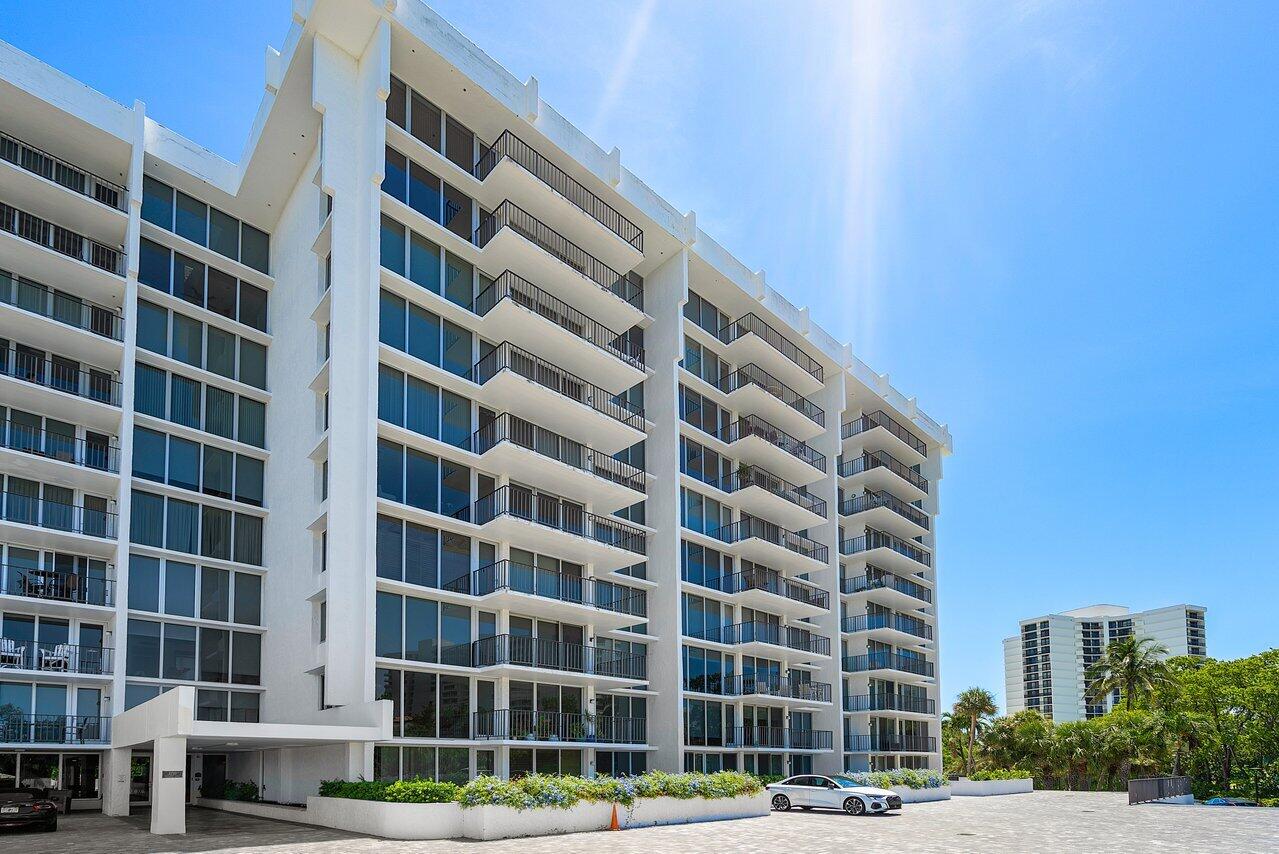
27, 808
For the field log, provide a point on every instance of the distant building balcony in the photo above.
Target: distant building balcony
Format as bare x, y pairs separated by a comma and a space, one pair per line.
878, 579
740, 334
753, 389
60, 374
757, 441
890, 744
880, 470
23, 509
61, 240
52, 657
53, 729
59, 171
855, 703
893, 546
571, 727
770, 634
900, 623
510, 147
568, 659
510, 577
888, 661
56, 586
63, 307
878, 430
763, 686
778, 738
759, 490
888, 510
768, 543
94, 451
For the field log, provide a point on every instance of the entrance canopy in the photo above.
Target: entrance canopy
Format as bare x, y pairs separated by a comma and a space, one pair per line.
172, 714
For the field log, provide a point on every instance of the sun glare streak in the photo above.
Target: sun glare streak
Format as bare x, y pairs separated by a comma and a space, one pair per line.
621, 73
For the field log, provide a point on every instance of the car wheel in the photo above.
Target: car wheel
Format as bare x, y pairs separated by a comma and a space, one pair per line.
781, 803
50, 827
854, 806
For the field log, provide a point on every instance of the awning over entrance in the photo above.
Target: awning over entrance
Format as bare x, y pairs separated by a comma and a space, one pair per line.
168, 726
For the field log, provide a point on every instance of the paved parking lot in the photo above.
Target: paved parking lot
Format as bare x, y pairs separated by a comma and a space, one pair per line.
1043, 821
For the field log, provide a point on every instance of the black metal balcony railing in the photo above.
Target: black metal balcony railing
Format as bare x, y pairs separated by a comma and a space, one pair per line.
753, 528
888, 661
528, 725
62, 307
61, 240
530, 296
899, 622
557, 513
889, 703
879, 579
753, 425
791, 637
775, 686
773, 582
883, 459
53, 729
539, 440
554, 655
753, 324
523, 154
879, 418
535, 581
748, 476
873, 539
778, 738
521, 222
95, 453
59, 171
890, 744
62, 376
58, 586
871, 500
753, 374
50, 657
508, 357
29, 510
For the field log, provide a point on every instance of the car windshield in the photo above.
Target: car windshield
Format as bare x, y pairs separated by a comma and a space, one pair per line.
844, 782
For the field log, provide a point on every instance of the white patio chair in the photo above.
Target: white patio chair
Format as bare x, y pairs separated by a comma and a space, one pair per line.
11, 654
58, 658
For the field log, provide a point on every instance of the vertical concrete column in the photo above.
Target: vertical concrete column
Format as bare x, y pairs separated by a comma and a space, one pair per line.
168, 785
116, 770
831, 399
665, 292
350, 92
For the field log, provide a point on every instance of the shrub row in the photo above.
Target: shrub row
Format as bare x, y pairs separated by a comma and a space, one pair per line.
999, 774
903, 777
232, 790
538, 791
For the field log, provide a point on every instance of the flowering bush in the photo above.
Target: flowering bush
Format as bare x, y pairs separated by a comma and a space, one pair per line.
908, 777
538, 791
999, 774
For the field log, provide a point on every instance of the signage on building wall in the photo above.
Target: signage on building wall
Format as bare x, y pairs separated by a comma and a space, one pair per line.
171, 775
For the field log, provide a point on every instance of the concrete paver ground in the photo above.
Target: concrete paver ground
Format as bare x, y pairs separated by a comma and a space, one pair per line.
1038, 822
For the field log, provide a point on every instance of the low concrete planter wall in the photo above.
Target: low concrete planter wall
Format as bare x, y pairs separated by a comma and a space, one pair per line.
394, 821
450, 821
922, 796
279, 812
982, 788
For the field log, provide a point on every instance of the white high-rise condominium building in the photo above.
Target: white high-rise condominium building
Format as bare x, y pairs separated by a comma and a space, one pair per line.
426, 440
1045, 665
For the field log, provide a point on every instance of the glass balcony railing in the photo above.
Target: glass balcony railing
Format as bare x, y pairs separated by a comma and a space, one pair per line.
558, 513
95, 451
63, 307
549, 584
529, 725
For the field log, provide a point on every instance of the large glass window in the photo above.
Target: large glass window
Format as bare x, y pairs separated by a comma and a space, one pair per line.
246, 658
390, 626
214, 654
144, 583
179, 588
143, 649
179, 651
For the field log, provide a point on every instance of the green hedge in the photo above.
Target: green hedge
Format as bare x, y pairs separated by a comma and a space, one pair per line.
415, 791
232, 790
538, 791
999, 774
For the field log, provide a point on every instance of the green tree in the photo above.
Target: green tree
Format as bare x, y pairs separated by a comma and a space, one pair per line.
974, 707
1135, 667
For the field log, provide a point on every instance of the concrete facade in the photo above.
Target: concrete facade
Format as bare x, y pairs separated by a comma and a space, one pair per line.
1045, 665
428, 400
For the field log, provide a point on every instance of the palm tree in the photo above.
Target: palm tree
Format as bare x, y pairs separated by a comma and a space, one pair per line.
974, 706
1133, 666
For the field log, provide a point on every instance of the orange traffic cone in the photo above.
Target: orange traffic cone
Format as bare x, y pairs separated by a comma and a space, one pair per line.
613, 825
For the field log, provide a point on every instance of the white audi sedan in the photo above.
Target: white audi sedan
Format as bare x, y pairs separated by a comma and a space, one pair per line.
836, 792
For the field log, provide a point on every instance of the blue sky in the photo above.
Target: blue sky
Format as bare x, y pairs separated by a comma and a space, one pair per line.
1057, 224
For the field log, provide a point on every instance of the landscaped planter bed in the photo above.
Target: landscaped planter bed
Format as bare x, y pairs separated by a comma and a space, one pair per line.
963, 787
393, 821
922, 796
280, 812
